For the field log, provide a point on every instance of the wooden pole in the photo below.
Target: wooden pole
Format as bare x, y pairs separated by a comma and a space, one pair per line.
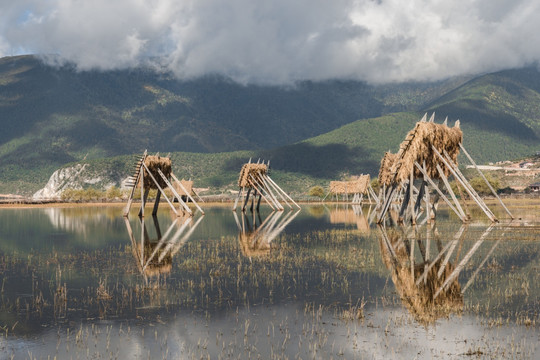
141, 211
269, 195
405, 202
467, 186
486, 180
411, 203
388, 200
160, 189
173, 190
439, 192
450, 191
156, 203
268, 188
188, 195
240, 193
246, 199
284, 193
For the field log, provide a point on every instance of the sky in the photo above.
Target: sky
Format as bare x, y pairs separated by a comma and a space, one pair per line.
279, 41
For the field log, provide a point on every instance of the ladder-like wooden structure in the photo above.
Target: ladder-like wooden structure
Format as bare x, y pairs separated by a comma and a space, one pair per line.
154, 172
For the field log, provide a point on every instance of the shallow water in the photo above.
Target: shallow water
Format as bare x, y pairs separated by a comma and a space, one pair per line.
320, 283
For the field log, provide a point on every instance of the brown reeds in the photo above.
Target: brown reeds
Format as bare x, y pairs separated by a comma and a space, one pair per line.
417, 147
251, 170
153, 163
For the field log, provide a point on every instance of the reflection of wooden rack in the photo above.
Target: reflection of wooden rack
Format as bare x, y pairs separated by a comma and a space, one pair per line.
255, 238
154, 256
429, 289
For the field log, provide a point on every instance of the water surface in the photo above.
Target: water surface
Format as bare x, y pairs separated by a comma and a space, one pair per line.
323, 283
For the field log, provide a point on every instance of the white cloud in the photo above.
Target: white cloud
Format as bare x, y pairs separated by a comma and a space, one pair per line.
280, 41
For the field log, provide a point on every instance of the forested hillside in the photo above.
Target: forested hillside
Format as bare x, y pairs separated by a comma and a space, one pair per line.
311, 132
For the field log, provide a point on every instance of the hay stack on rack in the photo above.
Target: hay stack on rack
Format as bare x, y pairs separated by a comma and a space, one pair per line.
429, 153
155, 172
358, 187
154, 164
254, 177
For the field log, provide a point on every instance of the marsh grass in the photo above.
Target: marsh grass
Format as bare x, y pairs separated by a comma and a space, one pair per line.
336, 276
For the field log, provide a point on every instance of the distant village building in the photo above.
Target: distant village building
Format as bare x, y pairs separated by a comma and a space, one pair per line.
535, 187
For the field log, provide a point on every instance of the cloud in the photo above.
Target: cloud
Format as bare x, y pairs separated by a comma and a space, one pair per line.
280, 41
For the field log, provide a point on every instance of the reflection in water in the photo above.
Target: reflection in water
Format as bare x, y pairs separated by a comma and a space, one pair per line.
351, 215
256, 235
78, 220
428, 285
154, 255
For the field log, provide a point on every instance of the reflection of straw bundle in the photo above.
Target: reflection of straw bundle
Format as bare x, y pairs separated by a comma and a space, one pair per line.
385, 172
358, 186
349, 216
417, 147
342, 216
153, 163
252, 244
254, 170
419, 299
187, 184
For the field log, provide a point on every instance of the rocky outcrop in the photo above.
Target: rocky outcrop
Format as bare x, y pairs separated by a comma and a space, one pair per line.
79, 176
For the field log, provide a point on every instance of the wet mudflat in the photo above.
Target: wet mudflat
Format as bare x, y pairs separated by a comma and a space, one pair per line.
321, 283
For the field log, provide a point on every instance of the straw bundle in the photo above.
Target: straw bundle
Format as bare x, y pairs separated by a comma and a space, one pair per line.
385, 172
251, 170
349, 216
153, 163
361, 185
417, 147
358, 186
187, 184
342, 216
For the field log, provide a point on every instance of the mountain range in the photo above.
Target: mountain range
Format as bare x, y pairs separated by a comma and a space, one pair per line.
310, 131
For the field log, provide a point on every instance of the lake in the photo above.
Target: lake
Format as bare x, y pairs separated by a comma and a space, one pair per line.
320, 283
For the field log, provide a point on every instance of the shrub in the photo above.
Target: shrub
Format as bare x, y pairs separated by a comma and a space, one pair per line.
316, 191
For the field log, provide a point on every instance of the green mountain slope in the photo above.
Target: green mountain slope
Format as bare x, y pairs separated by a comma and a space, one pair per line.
53, 116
